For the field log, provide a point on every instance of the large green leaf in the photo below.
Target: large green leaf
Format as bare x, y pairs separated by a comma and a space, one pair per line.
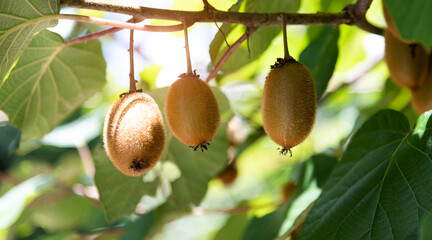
412, 19
50, 81
20, 20
320, 57
382, 187
120, 194
258, 42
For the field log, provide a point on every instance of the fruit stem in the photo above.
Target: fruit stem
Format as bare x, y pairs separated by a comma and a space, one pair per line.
286, 52
132, 82
188, 59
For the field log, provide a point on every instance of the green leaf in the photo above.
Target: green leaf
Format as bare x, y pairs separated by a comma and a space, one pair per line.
382, 187
260, 6
20, 20
323, 166
197, 168
320, 57
426, 228
412, 20
13, 202
70, 212
233, 228
50, 81
258, 42
10, 137
267, 227
119, 193
140, 227
305, 174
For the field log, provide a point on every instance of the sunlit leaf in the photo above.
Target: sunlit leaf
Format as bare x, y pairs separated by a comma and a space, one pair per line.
50, 81
382, 187
12, 203
412, 20
20, 20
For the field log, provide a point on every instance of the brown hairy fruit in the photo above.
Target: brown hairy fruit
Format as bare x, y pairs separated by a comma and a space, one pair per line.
421, 97
229, 174
191, 111
287, 190
407, 63
289, 103
134, 134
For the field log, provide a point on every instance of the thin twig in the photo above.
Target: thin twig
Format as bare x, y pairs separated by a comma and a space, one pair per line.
207, 5
228, 53
285, 41
113, 23
94, 35
188, 59
132, 83
223, 34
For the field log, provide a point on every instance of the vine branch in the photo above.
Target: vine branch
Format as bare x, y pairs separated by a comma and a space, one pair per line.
351, 15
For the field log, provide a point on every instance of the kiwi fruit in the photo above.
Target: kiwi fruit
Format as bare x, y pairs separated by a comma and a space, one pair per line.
407, 63
229, 174
289, 103
191, 111
287, 190
421, 97
134, 134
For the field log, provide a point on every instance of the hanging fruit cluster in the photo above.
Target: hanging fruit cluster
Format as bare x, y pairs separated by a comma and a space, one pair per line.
134, 133
409, 65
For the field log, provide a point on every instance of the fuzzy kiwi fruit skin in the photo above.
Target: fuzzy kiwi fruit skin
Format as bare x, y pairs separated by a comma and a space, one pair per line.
407, 63
289, 103
421, 97
134, 133
229, 174
191, 111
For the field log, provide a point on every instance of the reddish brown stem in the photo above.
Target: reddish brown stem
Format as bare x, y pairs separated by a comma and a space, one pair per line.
117, 24
228, 53
94, 35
